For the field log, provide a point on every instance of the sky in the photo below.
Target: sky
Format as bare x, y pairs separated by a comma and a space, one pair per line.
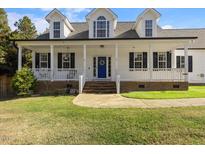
170, 18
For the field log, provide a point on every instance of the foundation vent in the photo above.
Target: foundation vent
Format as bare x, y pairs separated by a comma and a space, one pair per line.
141, 86
176, 86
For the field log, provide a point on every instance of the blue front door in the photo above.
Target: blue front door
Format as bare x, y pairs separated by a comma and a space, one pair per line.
102, 67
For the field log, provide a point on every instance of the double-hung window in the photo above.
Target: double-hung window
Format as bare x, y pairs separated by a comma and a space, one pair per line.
148, 28
138, 60
162, 60
66, 60
101, 27
180, 62
43, 60
56, 29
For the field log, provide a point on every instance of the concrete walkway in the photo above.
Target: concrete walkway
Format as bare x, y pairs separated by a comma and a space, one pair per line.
117, 101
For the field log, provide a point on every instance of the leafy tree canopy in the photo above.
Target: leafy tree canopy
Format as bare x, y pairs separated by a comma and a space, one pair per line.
4, 33
25, 29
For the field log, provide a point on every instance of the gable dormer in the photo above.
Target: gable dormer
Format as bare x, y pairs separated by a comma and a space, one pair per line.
102, 23
146, 23
59, 25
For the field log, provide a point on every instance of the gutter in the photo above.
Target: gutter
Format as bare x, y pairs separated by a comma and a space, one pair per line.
108, 39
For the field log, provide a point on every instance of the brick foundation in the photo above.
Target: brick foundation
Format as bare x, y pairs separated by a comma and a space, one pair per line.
128, 86
49, 87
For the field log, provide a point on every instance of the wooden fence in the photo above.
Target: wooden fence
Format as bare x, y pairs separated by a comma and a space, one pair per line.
5, 86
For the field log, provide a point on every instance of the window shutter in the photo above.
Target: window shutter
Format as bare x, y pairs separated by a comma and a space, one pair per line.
37, 56
155, 60
108, 29
94, 29
59, 60
49, 60
178, 62
144, 59
190, 64
131, 60
169, 59
72, 57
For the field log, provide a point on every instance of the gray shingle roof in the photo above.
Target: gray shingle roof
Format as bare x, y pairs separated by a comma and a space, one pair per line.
123, 30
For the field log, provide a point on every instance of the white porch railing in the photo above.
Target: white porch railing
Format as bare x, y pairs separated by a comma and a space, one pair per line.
59, 74
65, 74
168, 74
42, 73
155, 74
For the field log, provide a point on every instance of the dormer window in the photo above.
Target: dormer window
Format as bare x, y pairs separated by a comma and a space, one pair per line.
148, 28
101, 27
56, 29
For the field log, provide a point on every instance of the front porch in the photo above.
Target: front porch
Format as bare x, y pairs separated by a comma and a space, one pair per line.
107, 61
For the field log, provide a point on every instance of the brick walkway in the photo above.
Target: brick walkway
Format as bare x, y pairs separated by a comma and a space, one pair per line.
117, 101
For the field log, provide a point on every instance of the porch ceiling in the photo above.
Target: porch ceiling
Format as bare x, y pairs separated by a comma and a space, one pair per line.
157, 45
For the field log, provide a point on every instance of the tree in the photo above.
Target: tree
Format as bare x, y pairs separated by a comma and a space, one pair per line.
4, 35
25, 29
24, 81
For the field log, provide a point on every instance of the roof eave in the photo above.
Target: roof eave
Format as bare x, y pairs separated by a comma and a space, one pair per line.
107, 39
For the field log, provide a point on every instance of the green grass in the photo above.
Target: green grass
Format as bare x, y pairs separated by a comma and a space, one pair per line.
55, 120
193, 92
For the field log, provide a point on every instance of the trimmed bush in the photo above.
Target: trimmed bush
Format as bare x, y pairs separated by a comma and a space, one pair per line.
24, 81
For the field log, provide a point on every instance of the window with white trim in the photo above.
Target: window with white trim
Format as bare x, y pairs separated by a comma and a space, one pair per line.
138, 60
180, 62
101, 27
162, 59
56, 30
66, 60
43, 60
148, 28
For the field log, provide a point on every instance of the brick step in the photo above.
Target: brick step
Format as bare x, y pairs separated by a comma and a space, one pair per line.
99, 87
100, 84
99, 91
111, 88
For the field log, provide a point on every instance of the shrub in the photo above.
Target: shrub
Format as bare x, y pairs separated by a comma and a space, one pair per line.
24, 81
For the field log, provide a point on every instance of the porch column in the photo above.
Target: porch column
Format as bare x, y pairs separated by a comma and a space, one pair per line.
33, 60
186, 62
116, 59
173, 58
19, 57
84, 60
52, 62
150, 62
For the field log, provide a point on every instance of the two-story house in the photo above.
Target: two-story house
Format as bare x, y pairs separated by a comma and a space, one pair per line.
107, 55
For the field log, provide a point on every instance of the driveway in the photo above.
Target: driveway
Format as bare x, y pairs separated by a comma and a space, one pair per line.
117, 101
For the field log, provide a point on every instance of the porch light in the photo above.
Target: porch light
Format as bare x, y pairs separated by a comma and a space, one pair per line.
102, 46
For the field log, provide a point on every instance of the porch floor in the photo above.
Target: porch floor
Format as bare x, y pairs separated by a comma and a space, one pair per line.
117, 101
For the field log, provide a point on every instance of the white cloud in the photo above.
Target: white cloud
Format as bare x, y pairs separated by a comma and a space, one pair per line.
73, 14
167, 27
40, 23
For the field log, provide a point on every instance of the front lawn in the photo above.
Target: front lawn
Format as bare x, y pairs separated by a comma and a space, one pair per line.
55, 120
193, 92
